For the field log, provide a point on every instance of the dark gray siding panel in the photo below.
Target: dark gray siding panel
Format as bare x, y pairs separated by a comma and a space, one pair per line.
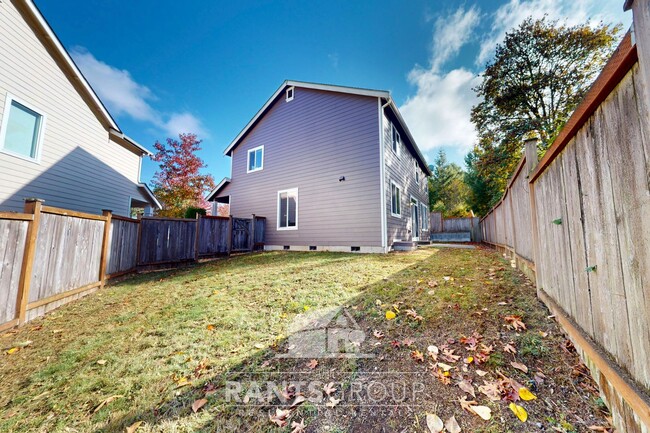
309, 143
401, 170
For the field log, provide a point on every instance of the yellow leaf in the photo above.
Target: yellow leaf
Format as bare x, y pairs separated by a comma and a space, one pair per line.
525, 394
210, 327
306, 307
13, 350
390, 315
519, 411
469, 360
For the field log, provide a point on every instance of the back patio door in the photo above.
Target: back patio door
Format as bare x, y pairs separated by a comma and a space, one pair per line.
415, 219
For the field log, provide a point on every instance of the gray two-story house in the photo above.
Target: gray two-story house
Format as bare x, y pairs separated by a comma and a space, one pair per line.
331, 168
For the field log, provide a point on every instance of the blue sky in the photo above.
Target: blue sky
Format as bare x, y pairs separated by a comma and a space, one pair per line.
164, 67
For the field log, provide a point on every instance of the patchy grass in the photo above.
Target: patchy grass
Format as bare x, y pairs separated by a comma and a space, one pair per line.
145, 349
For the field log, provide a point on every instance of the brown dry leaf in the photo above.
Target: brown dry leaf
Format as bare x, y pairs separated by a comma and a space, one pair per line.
333, 402
466, 405
198, 404
519, 366
445, 367
105, 402
329, 388
434, 423
417, 356
101, 361
509, 348
408, 341
298, 400
492, 390
452, 425
467, 387
280, 417
598, 428
481, 372
442, 376
448, 355
312, 364
515, 322
298, 427
133, 427
378, 334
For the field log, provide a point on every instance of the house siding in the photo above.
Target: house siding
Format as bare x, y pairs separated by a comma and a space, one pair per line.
79, 167
309, 143
401, 170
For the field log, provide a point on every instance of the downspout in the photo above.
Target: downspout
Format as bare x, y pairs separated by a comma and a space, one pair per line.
382, 170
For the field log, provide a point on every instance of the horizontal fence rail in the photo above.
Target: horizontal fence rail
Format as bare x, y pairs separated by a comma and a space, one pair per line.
51, 256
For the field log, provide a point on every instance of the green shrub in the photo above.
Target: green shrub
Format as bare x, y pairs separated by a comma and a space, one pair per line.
192, 212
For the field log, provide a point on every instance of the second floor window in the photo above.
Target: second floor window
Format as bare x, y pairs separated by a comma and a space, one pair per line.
396, 140
395, 200
417, 173
255, 159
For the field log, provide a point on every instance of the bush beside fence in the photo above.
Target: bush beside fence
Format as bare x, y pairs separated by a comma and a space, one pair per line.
51, 256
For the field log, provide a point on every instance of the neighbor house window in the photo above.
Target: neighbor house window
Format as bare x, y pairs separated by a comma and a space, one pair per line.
288, 209
22, 130
417, 172
396, 140
425, 217
255, 159
395, 200
289, 95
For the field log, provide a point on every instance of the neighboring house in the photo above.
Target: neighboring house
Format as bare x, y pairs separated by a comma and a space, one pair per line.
57, 140
331, 168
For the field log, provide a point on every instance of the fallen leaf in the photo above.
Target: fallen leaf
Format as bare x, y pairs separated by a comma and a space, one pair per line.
519, 411
525, 394
198, 404
312, 364
466, 405
467, 387
444, 366
378, 334
105, 402
434, 423
482, 411
515, 322
390, 315
519, 366
210, 327
491, 390
133, 427
298, 427
509, 348
396, 344
481, 372
332, 402
329, 388
101, 361
408, 341
280, 417
298, 400
452, 425
13, 350
417, 356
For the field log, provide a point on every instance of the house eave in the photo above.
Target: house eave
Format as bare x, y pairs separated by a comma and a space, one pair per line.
212, 195
420, 157
150, 194
129, 143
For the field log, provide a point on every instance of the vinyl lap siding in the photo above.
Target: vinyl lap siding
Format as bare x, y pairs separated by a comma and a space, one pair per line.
79, 168
309, 143
401, 171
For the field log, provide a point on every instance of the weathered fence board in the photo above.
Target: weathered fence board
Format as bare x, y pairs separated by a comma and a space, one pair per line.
68, 251
259, 230
12, 247
435, 221
213, 235
167, 240
123, 246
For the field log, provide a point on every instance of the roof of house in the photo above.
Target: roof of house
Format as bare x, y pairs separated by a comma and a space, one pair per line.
225, 181
628, 5
147, 192
382, 94
78, 78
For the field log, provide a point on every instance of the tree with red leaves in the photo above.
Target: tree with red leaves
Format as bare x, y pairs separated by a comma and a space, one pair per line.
179, 184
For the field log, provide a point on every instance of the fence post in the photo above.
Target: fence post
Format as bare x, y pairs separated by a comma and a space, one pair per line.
530, 149
105, 246
229, 234
32, 206
196, 240
252, 241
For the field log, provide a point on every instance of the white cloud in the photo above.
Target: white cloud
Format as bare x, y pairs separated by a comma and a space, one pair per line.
124, 96
571, 12
438, 113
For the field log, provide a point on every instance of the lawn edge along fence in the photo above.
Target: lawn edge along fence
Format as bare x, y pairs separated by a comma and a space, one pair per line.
576, 223
52, 256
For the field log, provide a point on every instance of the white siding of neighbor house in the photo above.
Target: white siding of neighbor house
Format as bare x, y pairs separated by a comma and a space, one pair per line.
309, 143
79, 167
401, 170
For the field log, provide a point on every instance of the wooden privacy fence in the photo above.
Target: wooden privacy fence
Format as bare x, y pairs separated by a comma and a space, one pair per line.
439, 224
578, 223
51, 256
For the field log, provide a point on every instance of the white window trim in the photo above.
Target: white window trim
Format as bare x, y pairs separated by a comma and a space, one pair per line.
248, 159
293, 94
290, 190
397, 215
393, 130
3, 130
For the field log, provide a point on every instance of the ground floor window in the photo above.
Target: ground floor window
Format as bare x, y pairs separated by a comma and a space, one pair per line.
424, 216
395, 200
288, 209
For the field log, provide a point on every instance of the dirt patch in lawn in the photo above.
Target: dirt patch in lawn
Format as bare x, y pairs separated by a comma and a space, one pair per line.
275, 341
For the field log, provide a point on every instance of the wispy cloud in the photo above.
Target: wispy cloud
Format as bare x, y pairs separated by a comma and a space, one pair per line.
124, 96
438, 113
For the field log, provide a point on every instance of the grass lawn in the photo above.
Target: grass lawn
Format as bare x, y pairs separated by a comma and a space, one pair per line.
146, 349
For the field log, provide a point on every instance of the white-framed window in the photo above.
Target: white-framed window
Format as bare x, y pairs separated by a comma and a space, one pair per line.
288, 209
289, 94
21, 133
255, 159
417, 171
424, 216
395, 200
396, 140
